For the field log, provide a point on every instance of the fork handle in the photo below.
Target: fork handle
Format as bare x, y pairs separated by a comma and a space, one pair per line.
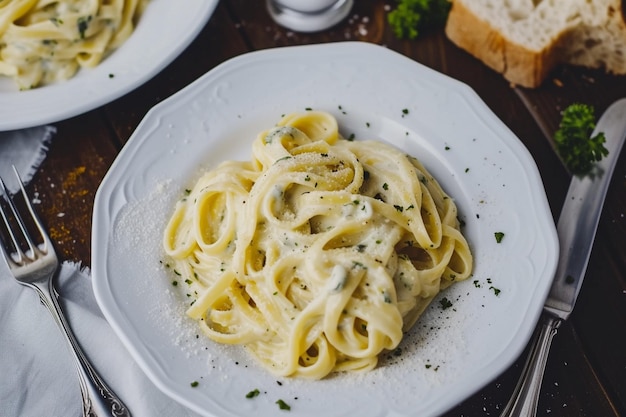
98, 399
525, 397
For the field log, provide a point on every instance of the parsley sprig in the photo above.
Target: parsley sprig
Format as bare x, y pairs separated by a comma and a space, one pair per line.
412, 16
578, 150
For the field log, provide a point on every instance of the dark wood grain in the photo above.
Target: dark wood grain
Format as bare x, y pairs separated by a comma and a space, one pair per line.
79, 156
586, 373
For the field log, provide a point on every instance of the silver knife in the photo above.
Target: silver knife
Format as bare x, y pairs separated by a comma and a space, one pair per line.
576, 229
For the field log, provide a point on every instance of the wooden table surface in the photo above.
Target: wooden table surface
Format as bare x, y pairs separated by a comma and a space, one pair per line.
586, 373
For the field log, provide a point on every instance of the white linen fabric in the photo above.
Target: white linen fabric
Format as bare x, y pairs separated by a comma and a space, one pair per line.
37, 373
25, 149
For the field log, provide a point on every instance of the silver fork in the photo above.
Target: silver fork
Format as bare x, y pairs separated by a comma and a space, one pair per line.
33, 265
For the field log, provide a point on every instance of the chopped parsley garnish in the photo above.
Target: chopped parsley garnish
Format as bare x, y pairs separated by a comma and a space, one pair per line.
499, 236
445, 303
356, 264
83, 25
254, 393
283, 405
195, 384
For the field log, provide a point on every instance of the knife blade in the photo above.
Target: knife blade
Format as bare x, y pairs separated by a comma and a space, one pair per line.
576, 228
580, 215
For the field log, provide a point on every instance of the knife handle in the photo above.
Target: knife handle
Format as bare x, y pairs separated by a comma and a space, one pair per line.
525, 397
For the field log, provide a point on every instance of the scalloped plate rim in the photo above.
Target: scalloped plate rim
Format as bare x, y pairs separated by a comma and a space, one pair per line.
104, 215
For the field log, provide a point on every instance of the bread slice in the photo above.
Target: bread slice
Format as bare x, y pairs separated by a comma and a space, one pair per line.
525, 39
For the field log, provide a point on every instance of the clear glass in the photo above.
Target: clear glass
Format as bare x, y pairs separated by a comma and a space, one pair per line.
309, 15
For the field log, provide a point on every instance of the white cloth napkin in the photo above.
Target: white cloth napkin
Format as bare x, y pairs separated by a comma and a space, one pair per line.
37, 374
25, 149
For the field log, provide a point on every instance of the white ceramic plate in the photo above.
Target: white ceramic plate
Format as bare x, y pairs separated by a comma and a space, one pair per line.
163, 32
374, 93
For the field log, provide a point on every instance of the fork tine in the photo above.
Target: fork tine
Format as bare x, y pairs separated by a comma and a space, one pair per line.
42, 231
32, 246
8, 252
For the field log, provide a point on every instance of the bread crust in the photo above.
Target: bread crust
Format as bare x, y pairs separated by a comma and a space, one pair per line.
475, 35
515, 62
590, 46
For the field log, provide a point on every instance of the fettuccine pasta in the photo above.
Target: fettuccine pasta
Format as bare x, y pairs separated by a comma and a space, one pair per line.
319, 252
45, 41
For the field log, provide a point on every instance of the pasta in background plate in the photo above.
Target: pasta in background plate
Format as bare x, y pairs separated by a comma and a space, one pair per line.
319, 252
46, 41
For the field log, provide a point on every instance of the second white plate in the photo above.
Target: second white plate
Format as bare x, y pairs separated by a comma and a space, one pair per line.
141, 57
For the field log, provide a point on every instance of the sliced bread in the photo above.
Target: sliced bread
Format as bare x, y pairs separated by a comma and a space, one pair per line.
525, 39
